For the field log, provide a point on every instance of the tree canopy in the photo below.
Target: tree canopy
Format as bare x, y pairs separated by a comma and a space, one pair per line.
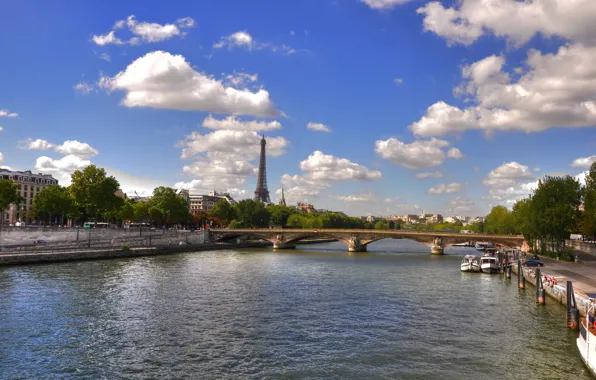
94, 192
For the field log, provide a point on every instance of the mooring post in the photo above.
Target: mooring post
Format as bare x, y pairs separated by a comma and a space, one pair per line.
520, 276
508, 272
572, 310
540, 292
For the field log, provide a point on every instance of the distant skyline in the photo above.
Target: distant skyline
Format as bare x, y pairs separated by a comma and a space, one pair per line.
371, 107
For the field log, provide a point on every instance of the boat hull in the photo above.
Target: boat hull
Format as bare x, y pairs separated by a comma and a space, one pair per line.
490, 269
587, 350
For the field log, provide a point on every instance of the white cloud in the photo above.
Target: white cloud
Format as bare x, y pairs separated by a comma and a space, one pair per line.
230, 144
321, 166
233, 123
459, 206
445, 188
1, 128
83, 87
364, 197
398, 81
508, 174
584, 162
7, 113
77, 149
241, 79
105, 56
426, 175
510, 182
144, 31
243, 39
419, 154
318, 127
454, 153
383, 4
222, 158
320, 170
61, 169
1, 157
162, 80
131, 183
38, 144
555, 91
107, 39
517, 21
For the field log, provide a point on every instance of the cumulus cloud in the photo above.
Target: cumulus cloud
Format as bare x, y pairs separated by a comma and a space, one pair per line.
233, 123
517, 21
1, 157
201, 186
1, 128
425, 175
398, 81
241, 79
318, 127
144, 31
584, 162
384, 4
556, 90
76, 149
6, 113
450, 188
510, 182
38, 144
62, 168
460, 206
320, 170
243, 39
419, 154
162, 80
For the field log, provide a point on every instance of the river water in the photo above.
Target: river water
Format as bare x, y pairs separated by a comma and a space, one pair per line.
314, 313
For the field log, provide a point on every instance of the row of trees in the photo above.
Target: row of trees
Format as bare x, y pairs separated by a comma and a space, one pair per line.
550, 214
92, 196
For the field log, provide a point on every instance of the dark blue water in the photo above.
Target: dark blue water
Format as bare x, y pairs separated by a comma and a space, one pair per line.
392, 313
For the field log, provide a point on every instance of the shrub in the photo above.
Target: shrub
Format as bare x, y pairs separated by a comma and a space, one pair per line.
125, 247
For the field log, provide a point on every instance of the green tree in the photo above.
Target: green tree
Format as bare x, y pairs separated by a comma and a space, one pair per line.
382, 225
588, 225
280, 214
499, 221
141, 211
9, 194
53, 201
251, 213
555, 205
524, 220
167, 207
295, 221
224, 211
94, 192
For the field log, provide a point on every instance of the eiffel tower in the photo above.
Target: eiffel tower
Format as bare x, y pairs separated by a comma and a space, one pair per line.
262, 193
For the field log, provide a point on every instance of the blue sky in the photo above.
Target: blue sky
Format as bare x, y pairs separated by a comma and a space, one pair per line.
474, 97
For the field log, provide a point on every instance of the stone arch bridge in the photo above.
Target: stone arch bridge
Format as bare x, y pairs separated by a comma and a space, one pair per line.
357, 240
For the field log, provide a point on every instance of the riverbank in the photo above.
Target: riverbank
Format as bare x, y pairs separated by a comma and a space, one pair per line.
99, 254
555, 275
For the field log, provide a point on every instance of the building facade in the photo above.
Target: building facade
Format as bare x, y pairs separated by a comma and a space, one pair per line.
204, 203
29, 184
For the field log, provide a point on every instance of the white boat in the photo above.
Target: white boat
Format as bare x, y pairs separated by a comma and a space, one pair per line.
482, 245
586, 341
489, 264
470, 264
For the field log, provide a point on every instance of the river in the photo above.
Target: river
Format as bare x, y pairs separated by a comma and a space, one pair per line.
316, 312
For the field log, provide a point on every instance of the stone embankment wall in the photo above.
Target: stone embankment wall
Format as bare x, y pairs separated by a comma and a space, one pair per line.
38, 258
23, 239
557, 291
578, 245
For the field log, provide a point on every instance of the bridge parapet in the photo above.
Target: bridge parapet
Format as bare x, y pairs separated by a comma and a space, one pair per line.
357, 240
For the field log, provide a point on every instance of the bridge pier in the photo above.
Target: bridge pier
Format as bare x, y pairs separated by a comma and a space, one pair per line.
283, 246
355, 244
280, 243
438, 248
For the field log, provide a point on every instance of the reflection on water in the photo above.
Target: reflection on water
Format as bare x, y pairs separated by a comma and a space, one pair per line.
316, 312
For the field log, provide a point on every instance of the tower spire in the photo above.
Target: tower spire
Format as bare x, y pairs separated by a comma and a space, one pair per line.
282, 201
261, 192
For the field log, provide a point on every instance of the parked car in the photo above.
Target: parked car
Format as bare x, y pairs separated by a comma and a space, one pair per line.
534, 257
40, 242
532, 263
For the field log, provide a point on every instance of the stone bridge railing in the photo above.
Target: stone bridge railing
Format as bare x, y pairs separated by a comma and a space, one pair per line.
357, 240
